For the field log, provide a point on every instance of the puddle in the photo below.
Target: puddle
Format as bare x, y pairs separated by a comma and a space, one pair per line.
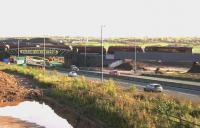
36, 113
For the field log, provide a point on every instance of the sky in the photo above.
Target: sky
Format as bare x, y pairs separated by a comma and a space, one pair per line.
122, 18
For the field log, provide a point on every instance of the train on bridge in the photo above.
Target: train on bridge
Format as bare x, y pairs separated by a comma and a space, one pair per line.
113, 49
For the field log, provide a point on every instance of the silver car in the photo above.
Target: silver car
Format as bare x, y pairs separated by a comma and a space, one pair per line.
72, 74
153, 88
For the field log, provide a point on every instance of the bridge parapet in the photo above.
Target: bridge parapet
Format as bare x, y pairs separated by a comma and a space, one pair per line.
39, 51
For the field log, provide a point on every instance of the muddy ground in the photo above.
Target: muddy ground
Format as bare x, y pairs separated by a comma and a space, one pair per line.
12, 90
16, 88
9, 122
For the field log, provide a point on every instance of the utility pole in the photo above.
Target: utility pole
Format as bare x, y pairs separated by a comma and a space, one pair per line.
102, 26
44, 54
135, 59
85, 57
18, 49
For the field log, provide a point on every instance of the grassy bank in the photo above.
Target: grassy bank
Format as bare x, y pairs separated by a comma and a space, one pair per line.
115, 107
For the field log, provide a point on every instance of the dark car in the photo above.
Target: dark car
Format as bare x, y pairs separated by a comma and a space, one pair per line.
114, 73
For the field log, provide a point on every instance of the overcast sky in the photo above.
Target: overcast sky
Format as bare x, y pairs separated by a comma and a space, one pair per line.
84, 17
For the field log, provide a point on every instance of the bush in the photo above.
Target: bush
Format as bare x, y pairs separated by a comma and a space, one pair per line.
132, 89
110, 87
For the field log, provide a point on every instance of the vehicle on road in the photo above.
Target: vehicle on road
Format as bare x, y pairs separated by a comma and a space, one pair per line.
38, 62
153, 88
114, 73
72, 74
74, 68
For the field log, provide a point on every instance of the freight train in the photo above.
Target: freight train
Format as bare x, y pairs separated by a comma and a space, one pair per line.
98, 49
89, 49
169, 49
113, 49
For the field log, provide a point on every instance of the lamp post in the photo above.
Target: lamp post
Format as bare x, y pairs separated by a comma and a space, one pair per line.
135, 59
18, 49
85, 57
44, 54
102, 26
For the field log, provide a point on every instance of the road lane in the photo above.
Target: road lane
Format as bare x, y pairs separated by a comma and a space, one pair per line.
180, 93
183, 94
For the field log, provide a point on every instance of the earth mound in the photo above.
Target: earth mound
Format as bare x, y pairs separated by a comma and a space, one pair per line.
128, 65
11, 90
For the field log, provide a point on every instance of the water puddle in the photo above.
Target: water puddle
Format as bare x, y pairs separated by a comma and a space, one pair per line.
33, 112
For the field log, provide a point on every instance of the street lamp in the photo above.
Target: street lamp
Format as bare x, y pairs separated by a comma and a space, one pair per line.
102, 26
18, 49
44, 54
85, 52
135, 59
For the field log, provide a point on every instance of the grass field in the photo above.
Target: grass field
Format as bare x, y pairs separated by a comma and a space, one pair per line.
196, 49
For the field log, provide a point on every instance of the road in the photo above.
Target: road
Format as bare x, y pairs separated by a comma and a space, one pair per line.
192, 83
180, 93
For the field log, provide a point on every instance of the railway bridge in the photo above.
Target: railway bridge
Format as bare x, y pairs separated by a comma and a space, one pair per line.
36, 50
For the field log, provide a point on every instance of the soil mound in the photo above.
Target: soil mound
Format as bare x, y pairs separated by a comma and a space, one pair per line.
129, 65
195, 68
11, 90
125, 66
